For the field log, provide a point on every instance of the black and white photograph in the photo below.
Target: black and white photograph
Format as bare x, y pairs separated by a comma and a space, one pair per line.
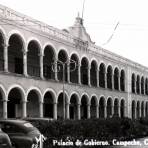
73, 74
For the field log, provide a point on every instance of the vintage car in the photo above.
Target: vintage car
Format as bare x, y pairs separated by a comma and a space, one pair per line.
22, 133
4, 140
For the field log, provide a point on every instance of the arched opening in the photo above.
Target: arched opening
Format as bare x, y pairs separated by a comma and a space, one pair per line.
133, 83
48, 105
15, 54
93, 73
109, 108
60, 107
146, 86
62, 56
48, 61
142, 85
142, 109
15, 103
74, 69
133, 110
1, 102
73, 107
84, 71
33, 99
109, 77
33, 59
138, 110
93, 107
116, 79
84, 103
122, 80
138, 84
1, 52
116, 108
122, 109
102, 107
102, 75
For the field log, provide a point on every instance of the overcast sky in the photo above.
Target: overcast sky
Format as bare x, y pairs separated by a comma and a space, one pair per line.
130, 38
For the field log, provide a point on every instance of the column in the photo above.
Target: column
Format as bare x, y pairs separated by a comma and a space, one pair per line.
79, 114
88, 111
113, 81
79, 74
97, 111
139, 85
55, 110
97, 78
105, 78
40, 109
6, 58
135, 112
88, 71
25, 63
67, 110
24, 109
55, 70
68, 72
105, 111
41, 66
5, 109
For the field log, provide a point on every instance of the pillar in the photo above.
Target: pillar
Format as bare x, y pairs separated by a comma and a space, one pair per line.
112, 81
5, 109
67, 110
119, 82
55, 110
89, 84
41, 65
88, 111
24, 114
97, 78
105, 111
112, 110
105, 78
79, 114
40, 109
79, 74
68, 72
6, 58
25, 63
119, 111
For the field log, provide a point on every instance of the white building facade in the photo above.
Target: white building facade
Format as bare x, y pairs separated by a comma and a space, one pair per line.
99, 85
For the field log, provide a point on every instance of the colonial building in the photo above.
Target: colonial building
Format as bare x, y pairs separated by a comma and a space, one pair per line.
47, 72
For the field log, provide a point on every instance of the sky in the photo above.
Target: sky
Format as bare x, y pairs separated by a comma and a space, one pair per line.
101, 17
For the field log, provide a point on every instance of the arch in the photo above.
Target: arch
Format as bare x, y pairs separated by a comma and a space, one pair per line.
74, 74
84, 106
16, 97
138, 110
146, 86
93, 73
116, 78
109, 77
33, 58
48, 106
116, 108
61, 105
15, 54
63, 57
109, 107
133, 109
93, 107
84, 71
138, 84
122, 80
122, 108
133, 83
74, 101
102, 106
34, 98
142, 85
48, 60
102, 71
2, 46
